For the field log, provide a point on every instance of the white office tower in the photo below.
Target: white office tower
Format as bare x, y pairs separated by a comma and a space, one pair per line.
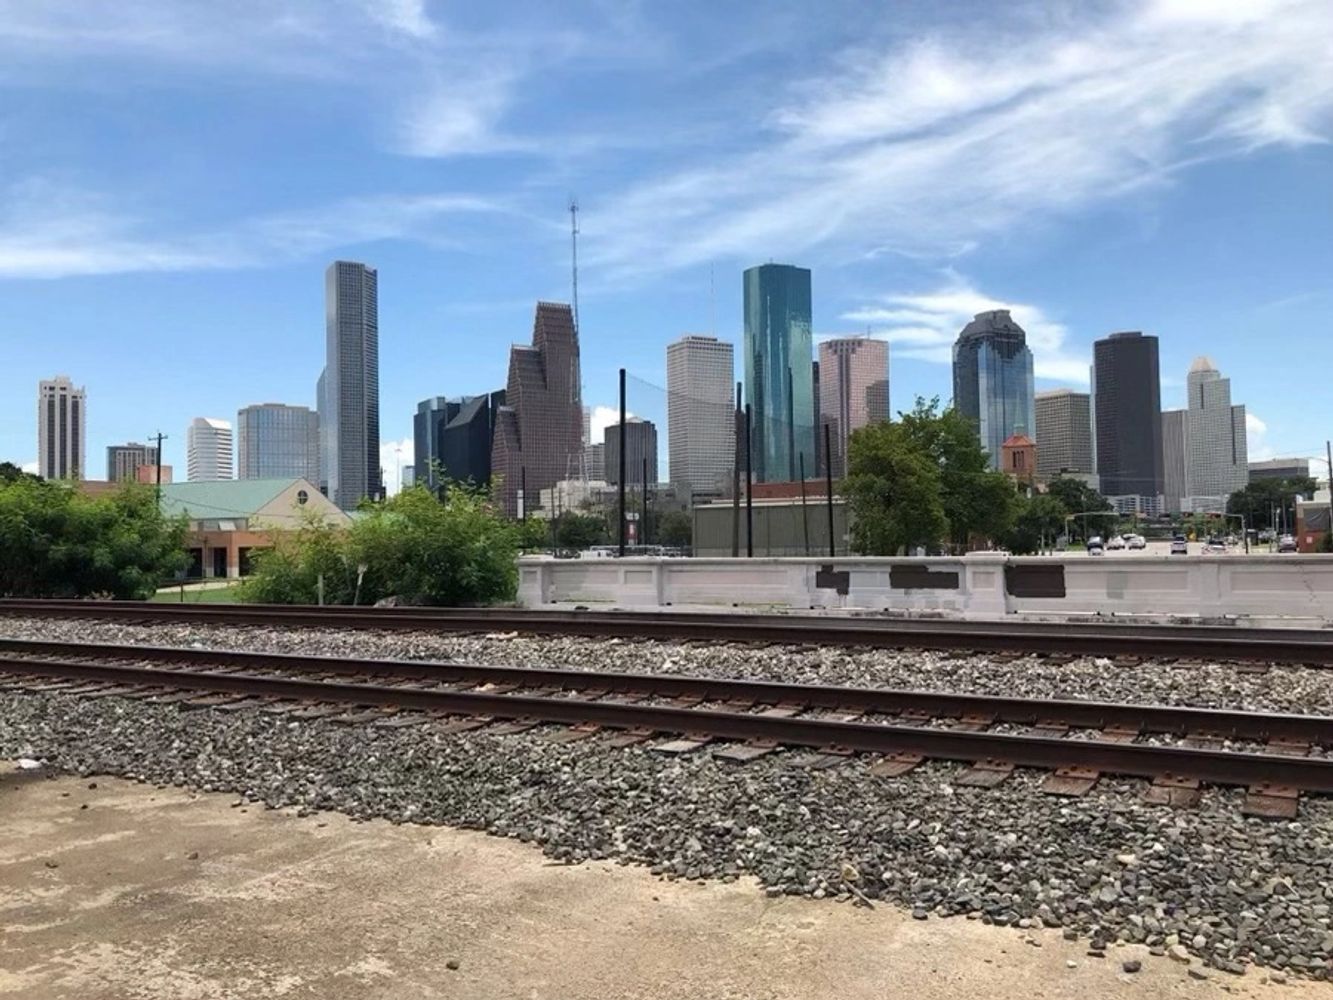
62, 429
701, 428
1216, 461
208, 448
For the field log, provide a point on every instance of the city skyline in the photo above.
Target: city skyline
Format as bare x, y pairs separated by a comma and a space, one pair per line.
1198, 212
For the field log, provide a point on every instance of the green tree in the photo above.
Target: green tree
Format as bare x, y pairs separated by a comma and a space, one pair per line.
1077, 497
413, 546
579, 531
676, 529
534, 534
893, 490
1258, 500
58, 542
9, 473
1038, 520
978, 502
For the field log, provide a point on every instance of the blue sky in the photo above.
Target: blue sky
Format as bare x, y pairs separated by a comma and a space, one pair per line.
174, 177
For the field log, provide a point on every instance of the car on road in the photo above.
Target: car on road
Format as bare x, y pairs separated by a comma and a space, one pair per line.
1095, 547
1286, 544
1136, 542
1179, 547
1215, 546
1115, 542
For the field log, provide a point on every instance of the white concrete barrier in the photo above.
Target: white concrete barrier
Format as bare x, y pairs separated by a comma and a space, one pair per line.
976, 585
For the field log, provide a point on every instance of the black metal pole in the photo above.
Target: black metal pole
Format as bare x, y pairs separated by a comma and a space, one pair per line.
736, 477
749, 487
621, 481
643, 535
828, 485
805, 521
523, 493
160, 436
1328, 450
791, 430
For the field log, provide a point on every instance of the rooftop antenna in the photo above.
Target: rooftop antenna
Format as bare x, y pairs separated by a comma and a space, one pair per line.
574, 247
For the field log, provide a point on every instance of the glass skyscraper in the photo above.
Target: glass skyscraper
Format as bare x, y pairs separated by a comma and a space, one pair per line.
277, 441
779, 383
349, 406
992, 379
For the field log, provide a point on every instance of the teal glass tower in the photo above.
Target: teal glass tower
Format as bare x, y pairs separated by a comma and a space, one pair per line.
779, 383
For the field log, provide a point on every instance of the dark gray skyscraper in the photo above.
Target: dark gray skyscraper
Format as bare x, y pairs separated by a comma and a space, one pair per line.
350, 403
640, 446
1127, 419
779, 384
992, 380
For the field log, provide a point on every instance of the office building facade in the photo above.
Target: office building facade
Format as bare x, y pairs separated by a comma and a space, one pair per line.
277, 441
538, 433
853, 392
779, 383
1216, 457
1127, 418
123, 461
1063, 432
1280, 468
992, 379
640, 447
208, 450
62, 429
350, 399
452, 439
1173, 461
701, 427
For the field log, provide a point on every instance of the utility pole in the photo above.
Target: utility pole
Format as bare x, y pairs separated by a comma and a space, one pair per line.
805, 521
749, 486
828, 484
1328, 450
159, 437
621, 481
736, 477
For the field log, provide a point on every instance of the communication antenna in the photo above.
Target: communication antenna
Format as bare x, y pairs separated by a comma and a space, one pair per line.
574, 247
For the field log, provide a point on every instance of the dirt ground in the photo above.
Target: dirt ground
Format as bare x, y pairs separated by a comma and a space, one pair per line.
162, 893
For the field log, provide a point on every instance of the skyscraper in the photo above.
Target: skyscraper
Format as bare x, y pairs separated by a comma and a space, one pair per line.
123, 461
208, 448
1173, 460
779, 386
1216, 460
540, 427
853, 391
701, 429
1127, 419
452, 439
1064, 432
277, 441
640, 445
351, 396
62, 429
992, 379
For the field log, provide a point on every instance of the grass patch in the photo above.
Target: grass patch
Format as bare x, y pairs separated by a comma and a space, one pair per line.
229, 594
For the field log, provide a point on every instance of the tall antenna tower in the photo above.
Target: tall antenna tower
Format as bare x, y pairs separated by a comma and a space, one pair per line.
574, 247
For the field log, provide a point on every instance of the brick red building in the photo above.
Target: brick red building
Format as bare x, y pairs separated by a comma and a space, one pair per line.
540, 429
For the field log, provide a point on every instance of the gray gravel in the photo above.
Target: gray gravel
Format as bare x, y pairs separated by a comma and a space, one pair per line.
1289, 689
1210, 882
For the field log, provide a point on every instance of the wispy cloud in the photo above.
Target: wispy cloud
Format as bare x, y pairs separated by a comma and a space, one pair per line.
1256, 438
51, 231
930, 145
925, 325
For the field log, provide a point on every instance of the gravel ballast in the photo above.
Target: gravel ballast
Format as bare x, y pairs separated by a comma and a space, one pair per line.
1207, 883
1204, 685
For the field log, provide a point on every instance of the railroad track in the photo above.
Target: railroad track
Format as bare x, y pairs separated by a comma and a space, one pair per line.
1077, 741
1228, 643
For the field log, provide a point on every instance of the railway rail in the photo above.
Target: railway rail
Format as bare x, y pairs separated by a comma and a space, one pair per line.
1211, 642
1077, 741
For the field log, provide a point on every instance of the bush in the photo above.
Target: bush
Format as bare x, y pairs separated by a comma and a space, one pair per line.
58, 542
417, 548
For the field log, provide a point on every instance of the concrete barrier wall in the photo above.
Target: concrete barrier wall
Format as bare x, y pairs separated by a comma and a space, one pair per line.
980, 585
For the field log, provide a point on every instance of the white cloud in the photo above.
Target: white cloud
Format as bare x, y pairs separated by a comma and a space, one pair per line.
930, 145
49, 231
407, 16
394, 455
1257, 447
603, 417
924, 326
30, 467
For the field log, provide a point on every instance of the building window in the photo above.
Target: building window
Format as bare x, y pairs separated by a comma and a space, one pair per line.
302, 497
